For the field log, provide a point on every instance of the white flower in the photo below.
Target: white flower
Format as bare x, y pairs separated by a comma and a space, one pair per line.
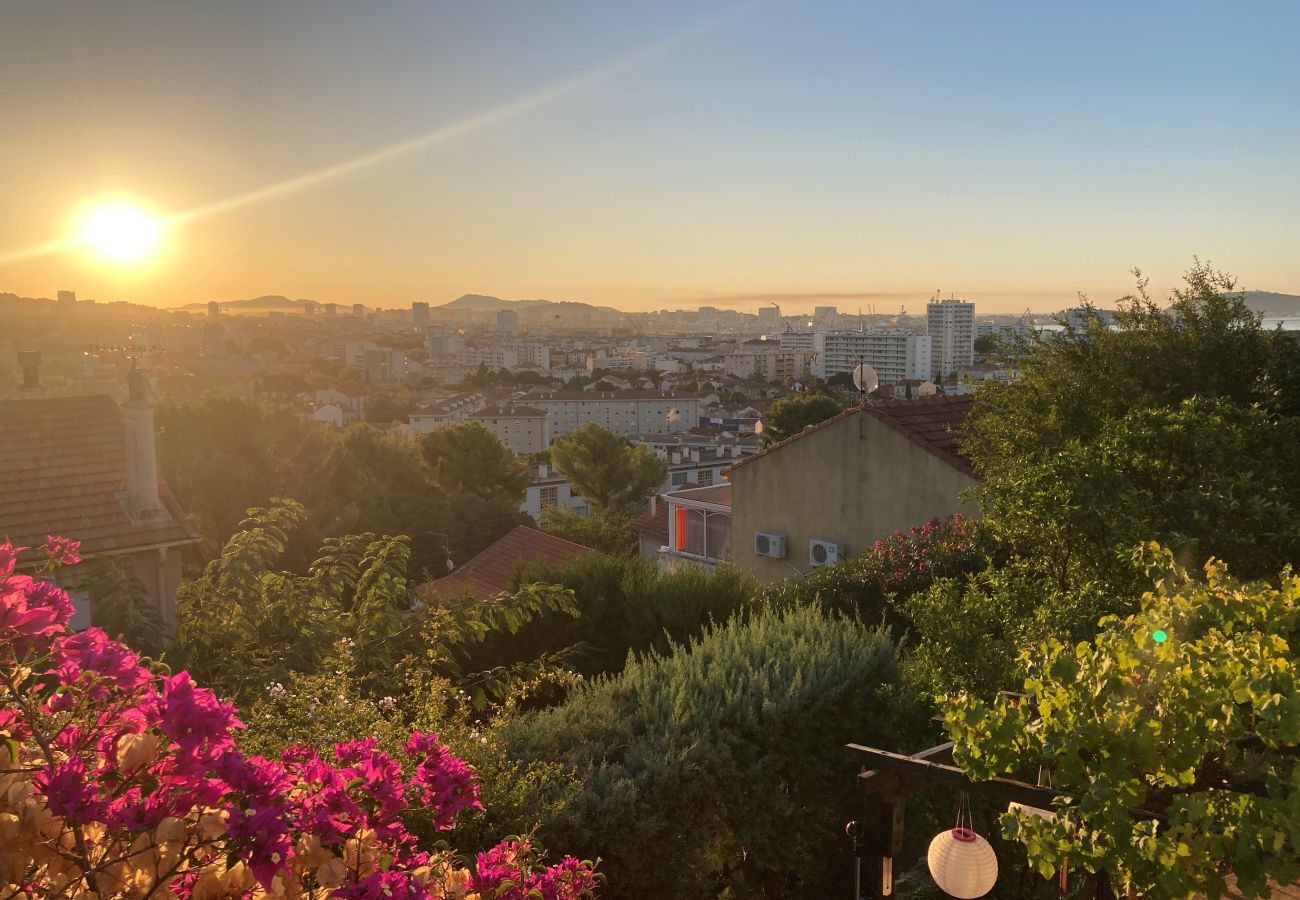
275, 689
388, 704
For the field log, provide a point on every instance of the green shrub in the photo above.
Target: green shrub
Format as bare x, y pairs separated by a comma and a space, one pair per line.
719, 764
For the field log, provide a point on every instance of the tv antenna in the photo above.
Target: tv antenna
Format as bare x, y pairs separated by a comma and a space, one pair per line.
131, 351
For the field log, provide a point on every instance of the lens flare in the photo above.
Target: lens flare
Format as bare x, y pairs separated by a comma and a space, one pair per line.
120, 232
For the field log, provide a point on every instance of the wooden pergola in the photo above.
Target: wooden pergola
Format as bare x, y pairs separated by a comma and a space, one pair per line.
888, 779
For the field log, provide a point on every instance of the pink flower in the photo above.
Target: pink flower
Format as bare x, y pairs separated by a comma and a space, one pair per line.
62, 550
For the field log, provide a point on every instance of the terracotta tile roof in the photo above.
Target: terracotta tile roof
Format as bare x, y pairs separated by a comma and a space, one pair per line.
718, 494
653, 525
490, 572
936, 424
63, 471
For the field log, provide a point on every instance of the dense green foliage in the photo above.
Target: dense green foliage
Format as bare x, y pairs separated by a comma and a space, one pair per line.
791, 415
223, 456
613, 475
469, 459
624, 605
1176, 732
1138, 431
246, 625
606, 532
719, 764
871, 585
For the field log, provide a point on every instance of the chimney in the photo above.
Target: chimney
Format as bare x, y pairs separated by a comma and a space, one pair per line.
654, 502
30, 362
141, 461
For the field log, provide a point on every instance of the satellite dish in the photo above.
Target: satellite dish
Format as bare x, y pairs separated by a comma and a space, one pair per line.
865, 378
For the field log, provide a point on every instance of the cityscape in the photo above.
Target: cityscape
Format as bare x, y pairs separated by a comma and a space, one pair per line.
748, 566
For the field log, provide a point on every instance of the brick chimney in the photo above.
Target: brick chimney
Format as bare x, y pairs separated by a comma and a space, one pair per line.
141, 459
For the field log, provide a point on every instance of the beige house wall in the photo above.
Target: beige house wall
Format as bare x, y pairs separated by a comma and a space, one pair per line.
853, 482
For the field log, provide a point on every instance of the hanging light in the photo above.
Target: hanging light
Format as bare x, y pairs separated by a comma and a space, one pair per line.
961, 862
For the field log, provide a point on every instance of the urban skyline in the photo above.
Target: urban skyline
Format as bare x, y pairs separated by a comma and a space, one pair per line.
649, 158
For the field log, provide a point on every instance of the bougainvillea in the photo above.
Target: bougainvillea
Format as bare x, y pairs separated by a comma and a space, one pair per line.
893, 569
118, 780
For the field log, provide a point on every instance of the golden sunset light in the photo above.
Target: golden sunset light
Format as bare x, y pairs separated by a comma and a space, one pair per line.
121, 233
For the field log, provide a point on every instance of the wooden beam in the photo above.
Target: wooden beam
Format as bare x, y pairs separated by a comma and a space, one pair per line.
918, 772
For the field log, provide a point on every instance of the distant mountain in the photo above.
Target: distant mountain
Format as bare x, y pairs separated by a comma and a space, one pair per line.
484, 303
1271, 304
269, 301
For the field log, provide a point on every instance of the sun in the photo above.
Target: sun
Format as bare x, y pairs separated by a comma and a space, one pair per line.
120, 232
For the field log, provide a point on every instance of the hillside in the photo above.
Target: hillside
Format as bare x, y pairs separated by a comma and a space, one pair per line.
266, 302
1271, 304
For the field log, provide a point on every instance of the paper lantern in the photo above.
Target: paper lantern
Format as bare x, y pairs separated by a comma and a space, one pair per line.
1028, 810
962, 863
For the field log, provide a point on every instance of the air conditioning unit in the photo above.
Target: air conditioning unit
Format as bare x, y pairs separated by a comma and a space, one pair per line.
825, 553
768, 544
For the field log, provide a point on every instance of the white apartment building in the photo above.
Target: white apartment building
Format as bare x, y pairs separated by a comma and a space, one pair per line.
521, 428
492, 357
628, 413
533, 356
896, 355
452, 410
952, 336
623, 360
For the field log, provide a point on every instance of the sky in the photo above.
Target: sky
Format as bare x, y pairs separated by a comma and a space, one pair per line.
652, 155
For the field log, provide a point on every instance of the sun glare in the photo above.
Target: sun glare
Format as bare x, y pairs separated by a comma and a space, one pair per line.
120, 232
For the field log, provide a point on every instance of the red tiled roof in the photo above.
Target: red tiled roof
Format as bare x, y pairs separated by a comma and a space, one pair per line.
718, 494
653, 525
63, 472
935, 424
490, 572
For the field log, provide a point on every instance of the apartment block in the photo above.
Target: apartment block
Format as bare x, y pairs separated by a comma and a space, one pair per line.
951, 325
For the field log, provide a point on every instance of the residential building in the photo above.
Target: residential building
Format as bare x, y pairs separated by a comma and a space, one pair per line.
550, 489
85, 468
384, 365
824, 318
507, 322
453, 410
651, 529
491, 572
352, 406
628, 413
836, 488
769, 361
699, 527
533, 356
329, 414
521, 428
419, 313
896, 355
951, 326
492, 357
769, 315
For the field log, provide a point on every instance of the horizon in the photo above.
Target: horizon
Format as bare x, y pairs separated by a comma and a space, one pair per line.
646, 159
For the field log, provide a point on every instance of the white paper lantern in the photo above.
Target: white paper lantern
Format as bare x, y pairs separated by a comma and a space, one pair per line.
1028, 810
962, 863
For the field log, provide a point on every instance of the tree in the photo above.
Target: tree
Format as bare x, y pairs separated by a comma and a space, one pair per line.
606, 532
470, 459
723, 756
391, 406
1174, 737
1108, 439
609, 472
790, 415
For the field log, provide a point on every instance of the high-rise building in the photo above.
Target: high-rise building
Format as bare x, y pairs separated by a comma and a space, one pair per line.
308, 308
358, 311
67, 300
952, 336
419, 313
507, 322
824, 317
769, 315
331, 309
214, 310
896, 355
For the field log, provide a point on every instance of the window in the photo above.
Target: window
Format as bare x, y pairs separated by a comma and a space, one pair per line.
679, 478
550, 496
706, 476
